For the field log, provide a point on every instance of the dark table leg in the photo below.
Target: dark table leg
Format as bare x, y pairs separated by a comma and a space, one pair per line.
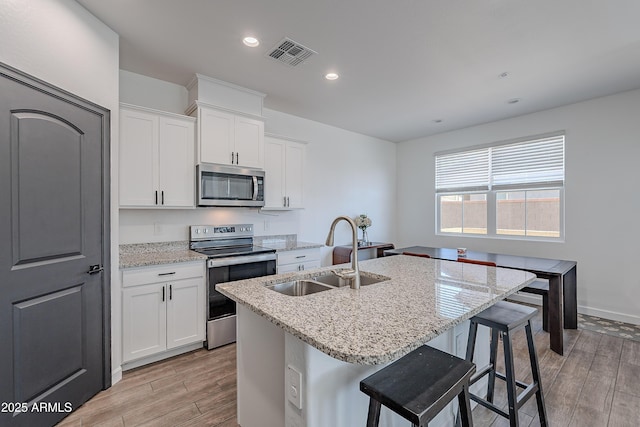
556, 335
569, 284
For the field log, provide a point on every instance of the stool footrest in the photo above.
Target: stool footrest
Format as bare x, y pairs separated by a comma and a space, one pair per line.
484, 371
488, 405
481, 373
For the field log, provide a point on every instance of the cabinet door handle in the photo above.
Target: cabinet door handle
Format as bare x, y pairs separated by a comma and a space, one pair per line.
301, 256
284, 201
156, 197
163, 290
237, 158
232, 157
288, 204
170, 291
162, 197
95, 269
166, 274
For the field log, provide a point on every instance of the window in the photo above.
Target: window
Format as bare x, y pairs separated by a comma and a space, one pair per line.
510, 189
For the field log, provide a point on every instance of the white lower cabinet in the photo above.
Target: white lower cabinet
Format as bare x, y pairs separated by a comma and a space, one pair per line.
163, 308
298, 260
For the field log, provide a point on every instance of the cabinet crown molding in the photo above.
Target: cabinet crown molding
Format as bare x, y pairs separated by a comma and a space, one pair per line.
286, 138
154, 111
194, 82
195, 104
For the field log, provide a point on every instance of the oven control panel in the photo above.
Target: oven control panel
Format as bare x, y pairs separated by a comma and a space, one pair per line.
208, 232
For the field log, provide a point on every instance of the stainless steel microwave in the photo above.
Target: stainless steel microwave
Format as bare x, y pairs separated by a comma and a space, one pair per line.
220, 185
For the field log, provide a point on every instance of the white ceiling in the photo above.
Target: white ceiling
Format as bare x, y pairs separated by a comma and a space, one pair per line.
403, 63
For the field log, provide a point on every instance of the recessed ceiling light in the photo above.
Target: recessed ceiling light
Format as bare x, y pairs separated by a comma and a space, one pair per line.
251, 41
437, 121
514, 101
503, 75
331, 76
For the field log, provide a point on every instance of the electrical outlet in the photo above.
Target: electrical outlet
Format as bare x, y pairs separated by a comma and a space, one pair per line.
294, 387
157, 228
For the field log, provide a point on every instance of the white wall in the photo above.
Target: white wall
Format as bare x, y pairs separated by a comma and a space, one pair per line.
346, 174
60, 42
154, 93
601, 207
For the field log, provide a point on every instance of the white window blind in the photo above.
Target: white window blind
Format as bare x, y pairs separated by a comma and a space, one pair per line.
466, 170
536, 162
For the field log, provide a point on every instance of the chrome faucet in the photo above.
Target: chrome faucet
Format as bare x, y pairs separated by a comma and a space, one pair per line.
353, 275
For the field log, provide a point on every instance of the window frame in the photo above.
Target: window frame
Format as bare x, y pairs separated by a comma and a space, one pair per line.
491, 196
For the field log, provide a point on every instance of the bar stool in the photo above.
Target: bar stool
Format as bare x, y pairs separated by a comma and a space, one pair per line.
504, 318
540, 287
419, 385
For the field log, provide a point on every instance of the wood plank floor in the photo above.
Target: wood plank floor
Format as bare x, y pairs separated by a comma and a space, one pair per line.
596, 383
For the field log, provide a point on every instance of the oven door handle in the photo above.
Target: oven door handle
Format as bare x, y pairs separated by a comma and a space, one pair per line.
223, 262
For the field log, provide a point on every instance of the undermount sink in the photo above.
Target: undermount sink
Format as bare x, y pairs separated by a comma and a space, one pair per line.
334, 280
298, 288
302, 287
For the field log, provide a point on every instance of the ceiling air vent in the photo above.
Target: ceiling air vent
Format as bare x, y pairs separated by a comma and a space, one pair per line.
290, 53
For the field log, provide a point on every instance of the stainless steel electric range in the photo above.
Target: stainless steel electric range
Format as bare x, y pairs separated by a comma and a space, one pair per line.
232, 256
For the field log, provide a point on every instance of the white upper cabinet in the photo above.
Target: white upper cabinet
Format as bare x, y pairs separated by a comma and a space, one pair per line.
216, 136
249, 142
157, 161
229, 139
284, 173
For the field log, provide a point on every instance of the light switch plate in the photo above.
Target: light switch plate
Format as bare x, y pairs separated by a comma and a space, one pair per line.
294, 387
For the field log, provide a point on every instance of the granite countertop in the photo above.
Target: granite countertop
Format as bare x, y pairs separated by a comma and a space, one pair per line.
381, 322
147, 254
286, 242
286, 246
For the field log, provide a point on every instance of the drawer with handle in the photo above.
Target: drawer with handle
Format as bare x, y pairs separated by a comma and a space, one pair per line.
162, 273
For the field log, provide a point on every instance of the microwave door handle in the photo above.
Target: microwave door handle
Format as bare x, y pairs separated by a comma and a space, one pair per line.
255, 188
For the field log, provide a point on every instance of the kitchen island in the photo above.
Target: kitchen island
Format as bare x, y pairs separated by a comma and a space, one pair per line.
300, 359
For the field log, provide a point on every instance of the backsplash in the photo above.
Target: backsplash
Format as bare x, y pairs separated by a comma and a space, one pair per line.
149, 225
276, 241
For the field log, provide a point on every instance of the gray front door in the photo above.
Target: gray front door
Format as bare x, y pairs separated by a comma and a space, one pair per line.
54, 319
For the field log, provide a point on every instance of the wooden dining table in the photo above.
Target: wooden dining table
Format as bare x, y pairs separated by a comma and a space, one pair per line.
562, 276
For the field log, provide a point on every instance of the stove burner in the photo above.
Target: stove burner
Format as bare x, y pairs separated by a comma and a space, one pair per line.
225, 241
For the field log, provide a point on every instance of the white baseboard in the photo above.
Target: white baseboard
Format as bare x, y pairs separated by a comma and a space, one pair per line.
116, 375
160, 356
609, 315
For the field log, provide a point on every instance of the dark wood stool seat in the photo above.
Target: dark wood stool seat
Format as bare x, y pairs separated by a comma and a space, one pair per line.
503, 318
419, 385
540, 287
